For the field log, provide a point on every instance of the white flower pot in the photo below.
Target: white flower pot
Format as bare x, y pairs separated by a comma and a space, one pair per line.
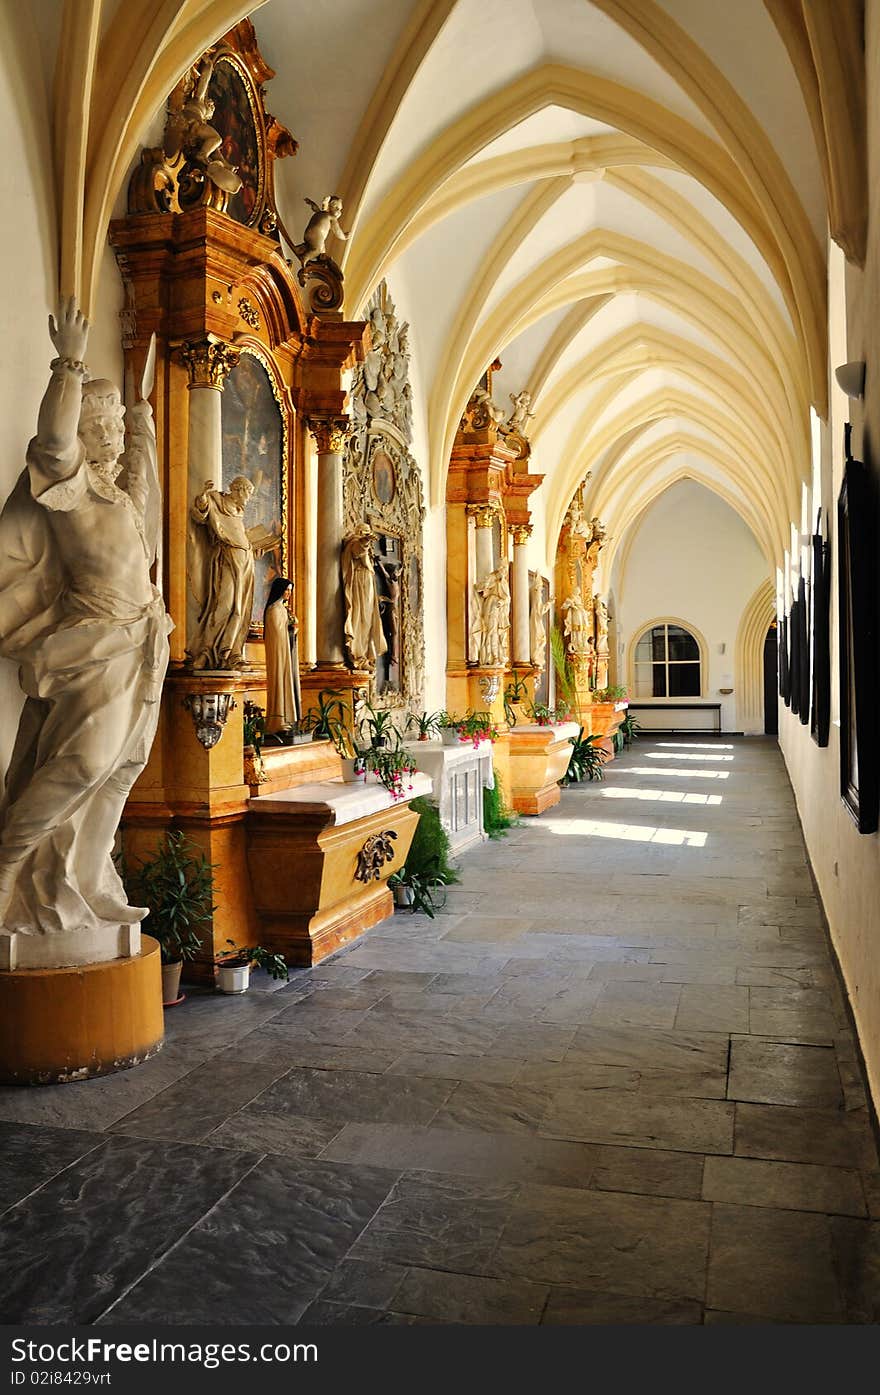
233, 978
403, 895
351, 771
449, 736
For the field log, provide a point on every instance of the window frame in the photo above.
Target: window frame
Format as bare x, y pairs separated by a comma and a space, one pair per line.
664, 622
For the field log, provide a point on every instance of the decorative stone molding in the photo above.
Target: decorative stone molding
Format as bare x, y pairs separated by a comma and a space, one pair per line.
490, 686
210, 713
382, 485
376, 852
329, 433
208, 361
323, 279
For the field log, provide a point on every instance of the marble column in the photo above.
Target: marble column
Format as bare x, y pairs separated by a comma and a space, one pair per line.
329, 437
520, 599
209, 362
484, 518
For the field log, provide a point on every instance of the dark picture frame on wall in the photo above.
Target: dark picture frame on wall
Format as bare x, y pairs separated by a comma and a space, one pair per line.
858, 633
820, 710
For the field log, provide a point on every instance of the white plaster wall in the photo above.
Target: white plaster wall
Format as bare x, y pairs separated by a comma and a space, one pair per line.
846, 863
28, 249
693, 559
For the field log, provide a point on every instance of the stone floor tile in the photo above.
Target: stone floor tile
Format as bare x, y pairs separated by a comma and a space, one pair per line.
784, 1185
649, 1171
491, 1108
637, 1245
196, 1105
823, 1136
808, 1025
771, 1072
774, 1264
572, 1307
30, 1156
438, 1222
637, 1120
353, 1096
255, 1131
465, 1298
532, 1042
493, 1070
713, 1008
856, 1247
494, 1156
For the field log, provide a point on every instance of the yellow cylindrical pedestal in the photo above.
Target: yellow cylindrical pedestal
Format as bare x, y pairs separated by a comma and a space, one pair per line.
59, 1025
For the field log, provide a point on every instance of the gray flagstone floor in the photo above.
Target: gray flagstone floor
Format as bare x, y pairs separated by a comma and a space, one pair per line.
613, 1082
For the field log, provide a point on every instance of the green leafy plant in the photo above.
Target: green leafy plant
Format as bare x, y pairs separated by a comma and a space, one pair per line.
176, 885
629, 728
477, 727
425, 723
377, 725
498, 817
327, 721
515, 692
255, 955
254, 725
565, 680
447, 719
613, 693
427, 869
393, 766
586, 760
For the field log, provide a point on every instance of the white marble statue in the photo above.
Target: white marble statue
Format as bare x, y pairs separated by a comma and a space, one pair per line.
538, 609
283, 699
521, 415
493, 622
222, 573
323, 222
601, 626
577, 625
364, 634
81, 617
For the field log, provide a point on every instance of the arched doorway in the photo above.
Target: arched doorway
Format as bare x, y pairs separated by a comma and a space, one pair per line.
771, 670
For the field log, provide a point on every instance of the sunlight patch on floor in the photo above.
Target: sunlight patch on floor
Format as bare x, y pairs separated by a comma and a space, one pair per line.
669, 770
680, 755
696, 745
661, 796
628, 832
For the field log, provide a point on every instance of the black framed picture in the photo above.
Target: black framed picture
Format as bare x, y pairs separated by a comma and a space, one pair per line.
858, 636
820, 708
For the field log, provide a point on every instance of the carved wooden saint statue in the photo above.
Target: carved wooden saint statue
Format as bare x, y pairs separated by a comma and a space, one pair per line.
494, 618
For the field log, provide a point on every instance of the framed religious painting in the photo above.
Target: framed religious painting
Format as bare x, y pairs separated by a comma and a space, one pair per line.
238, 121
256, 444
858, 637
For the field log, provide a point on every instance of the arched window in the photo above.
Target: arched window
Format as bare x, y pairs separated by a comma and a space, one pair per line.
667, 663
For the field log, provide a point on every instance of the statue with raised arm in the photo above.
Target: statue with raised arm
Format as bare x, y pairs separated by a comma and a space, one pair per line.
190, 129
222, 573
521, 415
538, 609
364, 634
81, 617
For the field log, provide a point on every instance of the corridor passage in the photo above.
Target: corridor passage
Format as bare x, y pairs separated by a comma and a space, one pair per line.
612, 1082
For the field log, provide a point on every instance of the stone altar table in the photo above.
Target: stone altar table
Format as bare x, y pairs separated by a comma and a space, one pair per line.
539, 757
459, 774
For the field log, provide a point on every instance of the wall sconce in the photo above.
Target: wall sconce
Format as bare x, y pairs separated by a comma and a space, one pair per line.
209, 712
851, 378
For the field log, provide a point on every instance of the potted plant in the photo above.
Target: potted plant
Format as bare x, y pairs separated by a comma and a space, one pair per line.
392, 766
176, 885
378, 725
448, 725
427, 724
254, 728
477, 727
516, 694
585, 762
629, 728
326, 720
420, 883
541, 714
234, 966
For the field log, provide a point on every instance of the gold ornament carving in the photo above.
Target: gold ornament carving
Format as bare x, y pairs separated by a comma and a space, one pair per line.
208, 361
373, 856
329, 433
248, 312
521, 533
484, 515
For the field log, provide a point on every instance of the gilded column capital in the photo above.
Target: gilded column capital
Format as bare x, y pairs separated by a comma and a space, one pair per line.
208, 361
484, 515
521, 533
329, 434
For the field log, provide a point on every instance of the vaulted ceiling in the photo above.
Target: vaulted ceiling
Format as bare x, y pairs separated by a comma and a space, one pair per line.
627, 201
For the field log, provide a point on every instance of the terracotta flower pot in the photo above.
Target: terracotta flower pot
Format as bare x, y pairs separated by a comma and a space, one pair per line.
171, 983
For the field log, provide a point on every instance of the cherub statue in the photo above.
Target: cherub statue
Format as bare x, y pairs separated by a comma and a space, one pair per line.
520, 415
323, 222
190, 130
